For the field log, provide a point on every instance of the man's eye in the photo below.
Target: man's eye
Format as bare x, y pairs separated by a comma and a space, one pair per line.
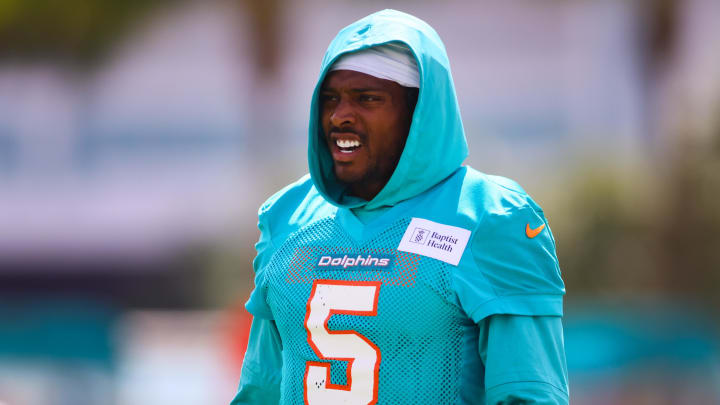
328, 97
369, 98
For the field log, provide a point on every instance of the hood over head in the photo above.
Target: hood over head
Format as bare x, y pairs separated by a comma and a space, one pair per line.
436, 144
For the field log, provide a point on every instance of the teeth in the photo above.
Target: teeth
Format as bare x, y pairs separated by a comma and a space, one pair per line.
347, 143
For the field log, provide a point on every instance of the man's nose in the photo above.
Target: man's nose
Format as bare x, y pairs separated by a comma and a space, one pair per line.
343, 114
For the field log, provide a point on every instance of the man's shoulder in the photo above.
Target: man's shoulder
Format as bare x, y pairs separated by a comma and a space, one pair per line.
291, 195
295, 204
494, 194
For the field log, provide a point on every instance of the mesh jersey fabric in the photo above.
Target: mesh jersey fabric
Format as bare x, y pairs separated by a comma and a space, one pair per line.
418, 328
427, 309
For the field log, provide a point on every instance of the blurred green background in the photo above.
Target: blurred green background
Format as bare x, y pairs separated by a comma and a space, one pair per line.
138, 138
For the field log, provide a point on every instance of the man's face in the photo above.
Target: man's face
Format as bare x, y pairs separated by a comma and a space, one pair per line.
365, 121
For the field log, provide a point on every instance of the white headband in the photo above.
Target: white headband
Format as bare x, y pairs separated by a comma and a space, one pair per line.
391, 61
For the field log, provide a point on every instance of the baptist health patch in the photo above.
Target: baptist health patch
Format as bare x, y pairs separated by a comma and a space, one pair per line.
431, 239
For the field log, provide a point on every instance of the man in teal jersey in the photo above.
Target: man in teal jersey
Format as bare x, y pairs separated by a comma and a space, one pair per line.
392, 274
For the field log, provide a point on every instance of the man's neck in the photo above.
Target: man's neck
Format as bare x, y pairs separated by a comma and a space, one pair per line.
367, 190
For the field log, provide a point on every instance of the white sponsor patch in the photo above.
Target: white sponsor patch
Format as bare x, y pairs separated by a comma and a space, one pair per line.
431, 239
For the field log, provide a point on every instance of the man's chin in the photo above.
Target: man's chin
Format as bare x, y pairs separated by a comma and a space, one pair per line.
345, 176
347, 180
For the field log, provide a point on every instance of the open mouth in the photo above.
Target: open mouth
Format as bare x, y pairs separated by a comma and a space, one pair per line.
347, 145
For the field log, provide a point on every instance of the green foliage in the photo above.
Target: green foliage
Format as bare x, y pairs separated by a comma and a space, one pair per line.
78, 31
606, 237
645, 232
692, 225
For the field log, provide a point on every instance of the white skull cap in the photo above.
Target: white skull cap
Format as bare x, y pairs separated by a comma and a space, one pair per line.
392, 61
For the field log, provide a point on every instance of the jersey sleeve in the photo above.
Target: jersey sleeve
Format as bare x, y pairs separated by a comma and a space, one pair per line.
257, 304
262, 366
524, 359
515, 267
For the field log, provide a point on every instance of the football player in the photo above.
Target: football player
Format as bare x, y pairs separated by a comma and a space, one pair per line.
393, 274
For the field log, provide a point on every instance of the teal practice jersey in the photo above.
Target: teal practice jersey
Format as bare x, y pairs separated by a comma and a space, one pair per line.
387, 301
366, 314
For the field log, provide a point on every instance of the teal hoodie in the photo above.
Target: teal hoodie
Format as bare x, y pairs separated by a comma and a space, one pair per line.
500, 303
436, 144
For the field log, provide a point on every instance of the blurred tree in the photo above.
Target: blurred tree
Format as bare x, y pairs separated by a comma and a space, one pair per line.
654, 234
660, 23
691, 232
658, 26
82, 31
265, 24
77, 31
609, 247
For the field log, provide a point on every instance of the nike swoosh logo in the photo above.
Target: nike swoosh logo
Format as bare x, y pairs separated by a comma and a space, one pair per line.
531, 233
